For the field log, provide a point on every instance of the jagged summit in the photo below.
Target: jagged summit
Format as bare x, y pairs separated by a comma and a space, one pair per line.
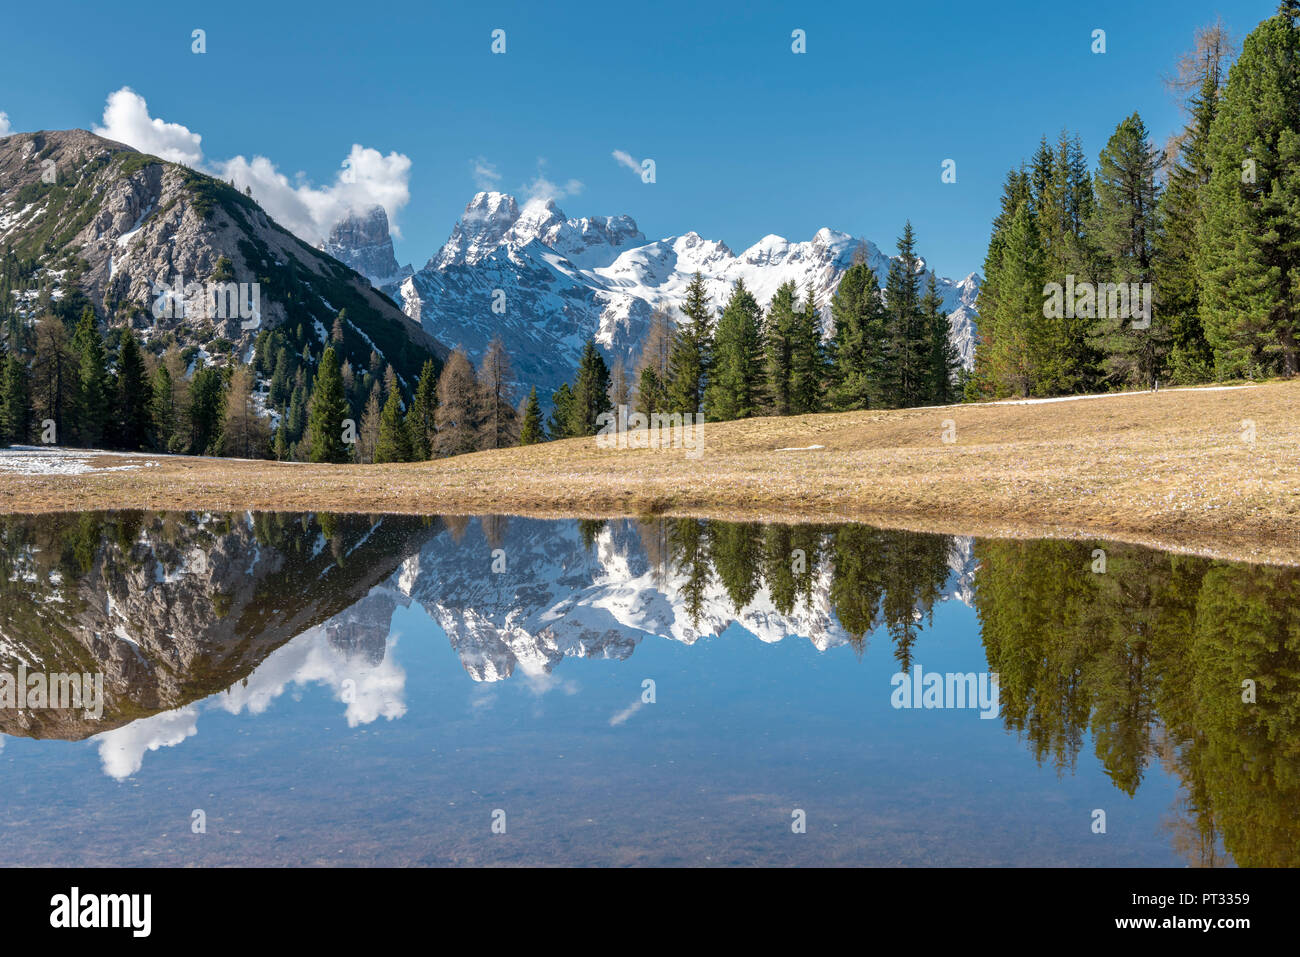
363, 241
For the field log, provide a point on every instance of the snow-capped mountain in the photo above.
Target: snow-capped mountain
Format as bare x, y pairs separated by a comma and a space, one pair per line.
567, 280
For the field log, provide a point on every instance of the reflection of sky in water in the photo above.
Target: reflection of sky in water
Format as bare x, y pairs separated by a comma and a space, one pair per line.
409, 768
369, 693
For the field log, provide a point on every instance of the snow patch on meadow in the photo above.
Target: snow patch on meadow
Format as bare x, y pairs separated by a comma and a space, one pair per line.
45, 460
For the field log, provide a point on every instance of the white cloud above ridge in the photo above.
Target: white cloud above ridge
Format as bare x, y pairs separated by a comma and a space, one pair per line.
366, 178
543, 189
127, 120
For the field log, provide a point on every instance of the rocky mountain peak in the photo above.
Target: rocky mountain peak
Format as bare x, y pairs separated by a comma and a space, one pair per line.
362, 240
480, 230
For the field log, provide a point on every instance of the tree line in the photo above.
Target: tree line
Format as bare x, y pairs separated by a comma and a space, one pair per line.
1208, 224
890, 349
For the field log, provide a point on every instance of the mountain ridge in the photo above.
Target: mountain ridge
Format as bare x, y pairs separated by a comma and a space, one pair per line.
566, 280
93, 222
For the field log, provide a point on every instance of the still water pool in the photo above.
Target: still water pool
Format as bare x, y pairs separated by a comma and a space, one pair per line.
289, 689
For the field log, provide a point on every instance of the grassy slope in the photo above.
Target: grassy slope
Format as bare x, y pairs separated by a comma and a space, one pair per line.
1169, 469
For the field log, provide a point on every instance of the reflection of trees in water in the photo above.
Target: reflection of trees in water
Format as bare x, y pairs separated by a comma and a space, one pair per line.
1150, 657
877, 577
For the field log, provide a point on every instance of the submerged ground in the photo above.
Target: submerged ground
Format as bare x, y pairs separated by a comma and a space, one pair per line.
1214, 470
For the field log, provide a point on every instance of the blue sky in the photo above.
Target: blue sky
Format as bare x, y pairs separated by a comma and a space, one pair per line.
748, 138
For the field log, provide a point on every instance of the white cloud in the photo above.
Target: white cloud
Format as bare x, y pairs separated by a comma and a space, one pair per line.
542, 188
366, 178
5, 128
127, 120
625, 158
486, 176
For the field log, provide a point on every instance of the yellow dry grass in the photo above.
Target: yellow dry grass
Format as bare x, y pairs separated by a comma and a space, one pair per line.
1172, 469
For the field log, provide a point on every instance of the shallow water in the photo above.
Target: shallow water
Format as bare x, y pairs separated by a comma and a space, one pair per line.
397, 690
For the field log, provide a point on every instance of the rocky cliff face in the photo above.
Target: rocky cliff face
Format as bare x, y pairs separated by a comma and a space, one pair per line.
567, 280
362, 241
145, 243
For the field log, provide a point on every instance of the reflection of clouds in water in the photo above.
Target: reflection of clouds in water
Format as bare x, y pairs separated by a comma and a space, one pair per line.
122, 750
531, 675
377, 692
626, 713
539, 681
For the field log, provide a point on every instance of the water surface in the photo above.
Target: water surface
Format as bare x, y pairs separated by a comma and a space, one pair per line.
331, 689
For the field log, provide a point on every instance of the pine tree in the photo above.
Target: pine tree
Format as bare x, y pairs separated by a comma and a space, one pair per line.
1064, 210
394, 444
735, 388
942, 361
1124, 232
132, 416
907, 365
808, 359
857, 346
1016, 328
280, 385
14, 415
1250, 239
590, 392
561, 411
282, 450
651, 397
457, 413
161, 412
327, 408
1177, 278
780, 334
531, 431
985, 380
692, 350
295, 419
92, 381
420, 420
207, 408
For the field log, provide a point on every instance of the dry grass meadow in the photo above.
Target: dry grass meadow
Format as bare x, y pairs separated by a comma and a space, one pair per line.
1173, 469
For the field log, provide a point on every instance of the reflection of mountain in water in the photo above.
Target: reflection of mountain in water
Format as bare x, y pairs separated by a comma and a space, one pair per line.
1148, 659
595, 589
172, 608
